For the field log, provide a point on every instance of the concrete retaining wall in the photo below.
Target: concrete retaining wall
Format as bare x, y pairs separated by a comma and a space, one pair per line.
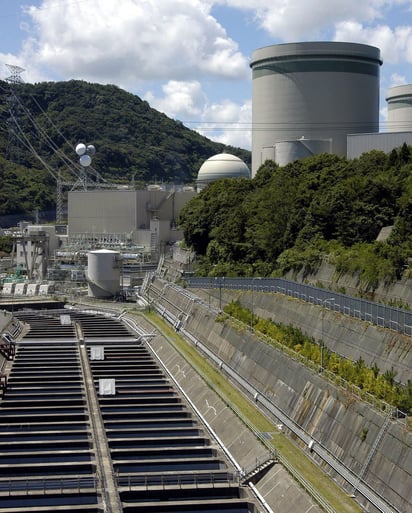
327, 277
340, 333
333, 417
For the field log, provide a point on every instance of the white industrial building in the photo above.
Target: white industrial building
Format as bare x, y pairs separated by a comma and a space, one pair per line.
383, 141
126, 217
147, 217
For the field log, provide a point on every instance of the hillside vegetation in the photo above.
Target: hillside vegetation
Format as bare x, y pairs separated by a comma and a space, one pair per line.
289, 218
134, 142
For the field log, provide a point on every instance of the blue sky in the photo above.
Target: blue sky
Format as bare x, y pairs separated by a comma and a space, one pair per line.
190, 58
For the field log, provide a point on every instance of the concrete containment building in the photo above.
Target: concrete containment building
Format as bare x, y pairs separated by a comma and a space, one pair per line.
399, 108
222, 165
314, 91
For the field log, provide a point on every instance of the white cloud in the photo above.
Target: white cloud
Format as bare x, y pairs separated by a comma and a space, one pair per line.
231, 123
295, 20
174, 46
130, 41
181, 100
226, 122
395, 44
396, 80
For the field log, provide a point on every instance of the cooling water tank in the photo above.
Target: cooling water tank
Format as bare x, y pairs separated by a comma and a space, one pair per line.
315, 90
103, 273
399, 108
288, 151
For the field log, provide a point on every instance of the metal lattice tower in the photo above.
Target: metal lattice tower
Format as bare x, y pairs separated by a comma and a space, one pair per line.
13, 146
15, 77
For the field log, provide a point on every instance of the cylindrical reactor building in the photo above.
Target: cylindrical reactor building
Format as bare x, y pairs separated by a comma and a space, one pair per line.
315, 91
399, 100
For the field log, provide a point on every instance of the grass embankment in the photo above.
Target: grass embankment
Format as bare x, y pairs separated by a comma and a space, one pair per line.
324, 485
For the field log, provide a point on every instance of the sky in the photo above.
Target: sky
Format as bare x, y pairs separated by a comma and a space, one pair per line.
190, 58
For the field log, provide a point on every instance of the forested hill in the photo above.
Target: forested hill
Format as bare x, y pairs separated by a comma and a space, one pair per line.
133, 141
289, 218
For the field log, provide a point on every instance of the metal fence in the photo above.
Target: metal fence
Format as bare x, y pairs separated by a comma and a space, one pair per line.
397, 319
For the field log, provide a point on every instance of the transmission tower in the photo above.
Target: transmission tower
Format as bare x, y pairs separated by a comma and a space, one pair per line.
15, 77
13, 146
20, 134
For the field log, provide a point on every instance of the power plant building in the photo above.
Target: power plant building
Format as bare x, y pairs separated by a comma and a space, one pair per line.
384, 141
399, 126
399, 100
307, 98
222, 165
147, 217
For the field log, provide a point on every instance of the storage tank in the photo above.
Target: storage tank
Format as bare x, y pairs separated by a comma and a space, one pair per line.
399, 100
288, 151
103, 273
315, 90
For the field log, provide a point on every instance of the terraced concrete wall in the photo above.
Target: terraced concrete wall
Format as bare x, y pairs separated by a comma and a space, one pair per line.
333, 417
342, 334
327, 276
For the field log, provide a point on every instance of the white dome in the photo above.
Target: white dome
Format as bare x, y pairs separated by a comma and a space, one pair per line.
222, 165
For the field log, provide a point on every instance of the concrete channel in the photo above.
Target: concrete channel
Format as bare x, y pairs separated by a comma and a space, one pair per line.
90, 421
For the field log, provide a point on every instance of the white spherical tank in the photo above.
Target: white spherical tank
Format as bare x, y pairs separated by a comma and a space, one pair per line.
315, 90
103, 273
399, 100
